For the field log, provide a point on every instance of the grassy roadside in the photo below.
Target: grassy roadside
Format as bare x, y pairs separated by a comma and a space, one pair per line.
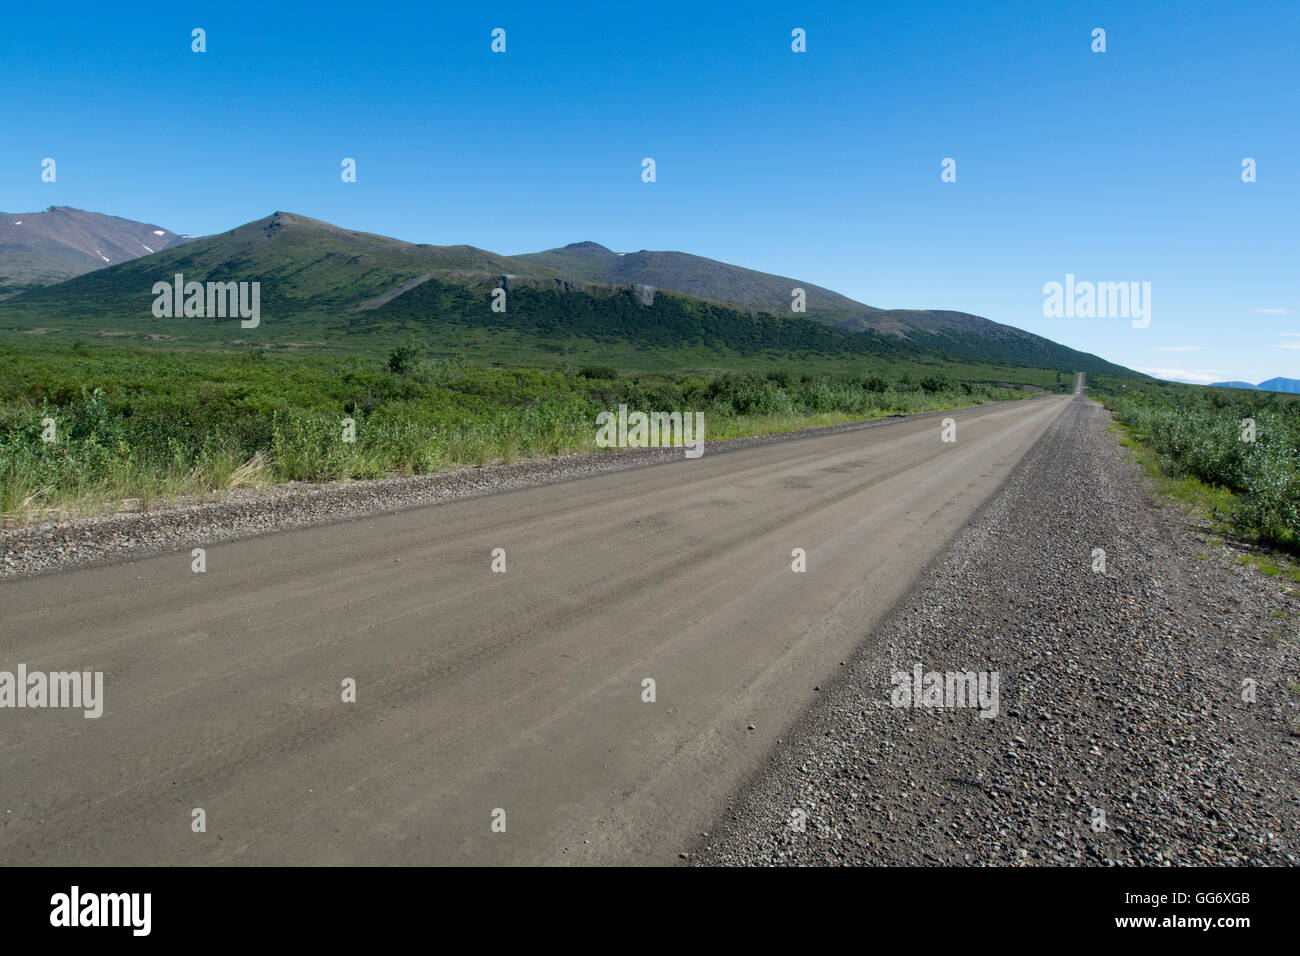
91, 430
1214, 505
1241, 441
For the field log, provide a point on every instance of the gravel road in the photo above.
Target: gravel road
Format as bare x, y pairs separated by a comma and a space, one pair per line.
1122, 735
601, 660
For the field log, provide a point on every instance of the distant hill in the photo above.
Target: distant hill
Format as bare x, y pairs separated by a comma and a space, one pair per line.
321, 282
958, 333
693, 275
1289, 385
306, 267
40, 248
1280, 385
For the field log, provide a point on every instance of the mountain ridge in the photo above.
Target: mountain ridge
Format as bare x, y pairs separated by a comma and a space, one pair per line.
317, 275
1278, 384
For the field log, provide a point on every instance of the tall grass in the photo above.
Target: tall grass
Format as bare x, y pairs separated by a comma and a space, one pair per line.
163, 426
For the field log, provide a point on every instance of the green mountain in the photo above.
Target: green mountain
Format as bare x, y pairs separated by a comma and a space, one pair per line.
696, 276
958, 333
306, 269
328, 287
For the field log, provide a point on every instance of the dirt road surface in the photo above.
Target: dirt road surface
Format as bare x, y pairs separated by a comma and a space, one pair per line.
478, 691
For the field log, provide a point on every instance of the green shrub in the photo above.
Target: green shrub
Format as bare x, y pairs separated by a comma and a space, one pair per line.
1198, 433
155, 423
404, 359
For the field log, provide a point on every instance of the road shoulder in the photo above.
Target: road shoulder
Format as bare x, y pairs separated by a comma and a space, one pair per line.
1121, 734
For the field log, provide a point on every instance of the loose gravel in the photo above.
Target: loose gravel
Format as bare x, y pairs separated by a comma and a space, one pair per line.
1122, 735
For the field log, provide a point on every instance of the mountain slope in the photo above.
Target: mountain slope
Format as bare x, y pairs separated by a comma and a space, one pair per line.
320, 282
305, 266
1280, 385
960, 333
39, 248
692, 275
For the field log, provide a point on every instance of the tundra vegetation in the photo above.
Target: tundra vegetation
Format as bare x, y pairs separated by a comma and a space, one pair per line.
146, 425
1248, 480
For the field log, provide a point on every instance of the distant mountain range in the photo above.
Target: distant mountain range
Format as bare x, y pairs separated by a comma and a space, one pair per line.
40, 248
957, 332
1272, 385
322, 281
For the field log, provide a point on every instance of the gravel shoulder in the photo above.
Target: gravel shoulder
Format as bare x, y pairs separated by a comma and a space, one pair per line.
1121, 734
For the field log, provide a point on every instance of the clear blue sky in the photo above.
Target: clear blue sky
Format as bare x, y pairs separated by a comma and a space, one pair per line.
1122, 166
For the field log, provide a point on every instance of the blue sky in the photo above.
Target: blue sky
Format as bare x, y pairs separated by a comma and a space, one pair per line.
824, 165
